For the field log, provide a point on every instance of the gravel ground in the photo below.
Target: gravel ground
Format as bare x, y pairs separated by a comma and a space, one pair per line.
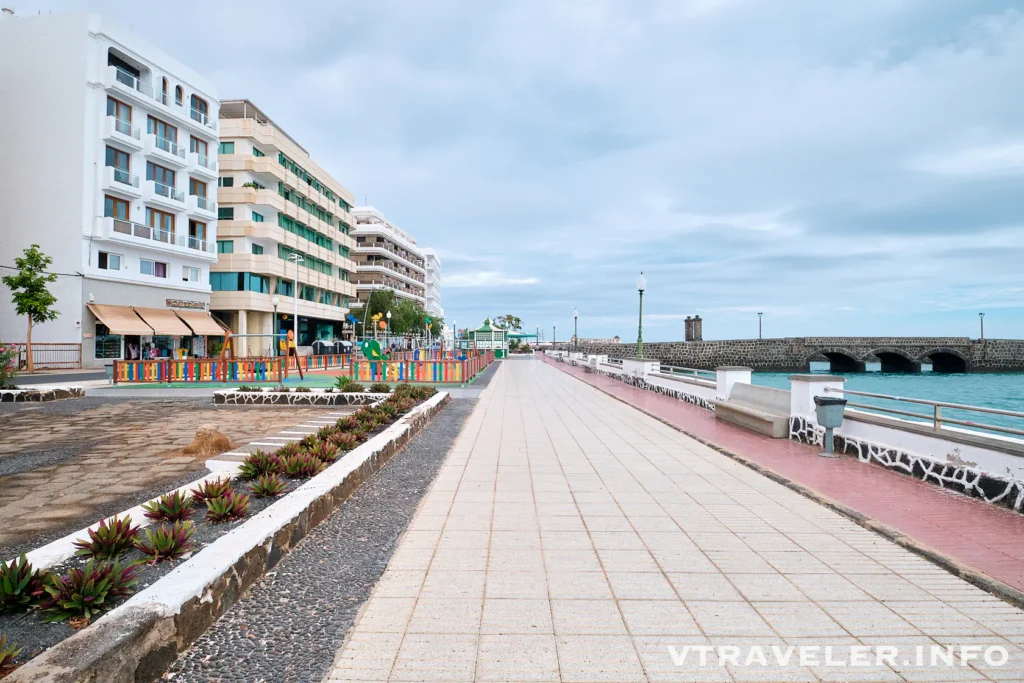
289, 626
73, 406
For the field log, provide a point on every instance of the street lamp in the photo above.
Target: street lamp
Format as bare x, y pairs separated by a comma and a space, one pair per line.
641, 285
759, 325
295, 297
388, 331
981, 318
273, 327
576, 329
554, 336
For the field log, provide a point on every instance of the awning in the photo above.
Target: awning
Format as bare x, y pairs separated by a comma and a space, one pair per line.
120, 319
201, 322
163, 321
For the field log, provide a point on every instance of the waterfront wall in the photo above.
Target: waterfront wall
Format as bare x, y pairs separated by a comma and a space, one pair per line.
794, 354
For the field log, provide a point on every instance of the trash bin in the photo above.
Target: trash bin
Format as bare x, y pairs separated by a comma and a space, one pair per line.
109, 369
829, 411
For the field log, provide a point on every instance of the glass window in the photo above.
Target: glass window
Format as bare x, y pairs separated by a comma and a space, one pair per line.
258, 283
226, 182
284, 287
198, 146
226, 282
226, 213
161, 129
115, 208
257, 217
118, 159
227, 148
108, 261
257, 249
154, 268
257, 153
196, 187
225, 246
164, 176
189, 274
107, 345
160, 220
178, 95
119, 110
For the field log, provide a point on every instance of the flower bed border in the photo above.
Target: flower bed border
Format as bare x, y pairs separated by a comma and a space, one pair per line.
40, 395
313, 397
138, 640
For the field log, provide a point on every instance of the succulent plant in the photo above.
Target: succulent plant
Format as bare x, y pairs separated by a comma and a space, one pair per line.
172, 507
325, 451
354, 388
8, 651
258, 463
345, 441
290, 448
228, 507
167, 542
268, 486
308, 442
217, 488
388, 410
325, 433
380, 388
108, 541
20, 586
347, 423
89, 590
301, 465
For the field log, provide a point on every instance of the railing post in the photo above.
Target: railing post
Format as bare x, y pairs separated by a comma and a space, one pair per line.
938, 417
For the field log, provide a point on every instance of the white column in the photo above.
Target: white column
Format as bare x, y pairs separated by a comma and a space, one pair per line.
640, 367
803, 389
728, 375
243, 328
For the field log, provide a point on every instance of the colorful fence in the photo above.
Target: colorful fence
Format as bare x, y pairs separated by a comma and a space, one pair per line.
326, 362
427, 371
199, 370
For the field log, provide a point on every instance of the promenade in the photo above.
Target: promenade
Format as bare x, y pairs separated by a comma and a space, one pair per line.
571, 537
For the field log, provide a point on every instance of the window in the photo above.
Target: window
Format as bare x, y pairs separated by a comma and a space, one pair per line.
119, 110
154, 268
196, 187
238, 282
226, 182
115, 208
161, 130
257, 217
163, 176
196, 235
107, 345
200, 109
189, 274
131, 70
257, 249
225, 246
226, 213
257, 153
118, 159
343, 251
162, 221
198, 146
227, 148
284, 287
108, 261
179, 95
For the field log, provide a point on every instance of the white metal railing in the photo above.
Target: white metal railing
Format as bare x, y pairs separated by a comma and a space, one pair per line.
125, 177
168, 191
204, 161
169, 146
205, 204
936, 417
201, 118
695, 373
129, 79
149, 232
125, 128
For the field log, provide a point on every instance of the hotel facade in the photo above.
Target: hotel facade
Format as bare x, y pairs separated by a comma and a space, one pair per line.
112, 148
280, 215
433, 283
387, 258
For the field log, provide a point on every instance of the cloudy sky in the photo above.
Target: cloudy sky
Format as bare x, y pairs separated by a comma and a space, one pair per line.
843, 167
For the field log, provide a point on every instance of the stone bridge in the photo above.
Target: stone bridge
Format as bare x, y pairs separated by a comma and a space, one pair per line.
844, 354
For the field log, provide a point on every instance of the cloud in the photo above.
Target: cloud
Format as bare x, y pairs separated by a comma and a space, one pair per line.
486, 279
1002, 158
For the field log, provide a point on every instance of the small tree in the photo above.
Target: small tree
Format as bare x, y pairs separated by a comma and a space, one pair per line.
512, 323
30, 294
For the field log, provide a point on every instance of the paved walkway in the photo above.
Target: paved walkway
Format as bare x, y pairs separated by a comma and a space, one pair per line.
973, 532
570, 537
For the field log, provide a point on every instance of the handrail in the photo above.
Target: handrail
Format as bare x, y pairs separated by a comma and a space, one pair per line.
936, 417
696, 372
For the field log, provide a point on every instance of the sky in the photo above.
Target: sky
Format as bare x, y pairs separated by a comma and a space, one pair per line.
845, 168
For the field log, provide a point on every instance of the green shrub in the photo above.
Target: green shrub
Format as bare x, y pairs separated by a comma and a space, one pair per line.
345, 441
231, 506
258, 463
284, 451
218, 488
171, 507
8, 651
167, 543
88, 591
325, 433
308, 442
108, 540
301, 465
347, 423
325, 452
380, 388
268, 486
20, 586
342, 381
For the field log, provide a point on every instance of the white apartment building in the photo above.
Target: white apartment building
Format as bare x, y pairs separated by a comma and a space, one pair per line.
433, 288
386, 258
112, 170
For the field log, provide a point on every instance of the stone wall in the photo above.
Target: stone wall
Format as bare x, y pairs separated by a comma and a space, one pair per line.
793, 354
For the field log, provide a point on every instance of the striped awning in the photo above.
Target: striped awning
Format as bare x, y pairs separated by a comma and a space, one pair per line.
163, 321
120, 319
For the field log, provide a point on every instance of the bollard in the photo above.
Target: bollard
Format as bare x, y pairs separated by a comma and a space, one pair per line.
829, 411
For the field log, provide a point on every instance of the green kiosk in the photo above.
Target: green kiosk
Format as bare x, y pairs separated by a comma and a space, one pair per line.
487, 337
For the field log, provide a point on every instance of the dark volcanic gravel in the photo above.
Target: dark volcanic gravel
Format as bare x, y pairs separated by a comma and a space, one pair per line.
289, 626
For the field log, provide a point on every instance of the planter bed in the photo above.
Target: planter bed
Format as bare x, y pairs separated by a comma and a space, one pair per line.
309, 397
176, 601
40, 395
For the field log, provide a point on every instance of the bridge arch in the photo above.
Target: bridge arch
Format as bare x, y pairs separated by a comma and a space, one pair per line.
894, 359
945, 359
841, 359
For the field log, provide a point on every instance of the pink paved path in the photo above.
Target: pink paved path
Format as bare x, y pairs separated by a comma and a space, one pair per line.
984, 536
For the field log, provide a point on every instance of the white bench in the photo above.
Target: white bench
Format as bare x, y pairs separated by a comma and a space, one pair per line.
760, 409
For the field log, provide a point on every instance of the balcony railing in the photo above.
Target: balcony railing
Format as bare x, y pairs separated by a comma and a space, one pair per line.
129, 79
205, 204
169, 146
168, 237
125, 128
201, 118
126, 177
168, 191
205, 162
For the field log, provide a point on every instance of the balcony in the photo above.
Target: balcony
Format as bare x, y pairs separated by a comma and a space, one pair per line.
128, 85
202, 165
203, 206
203, 119
167, 100
121, 182
153, 239
122, 132
165, 150
164, 195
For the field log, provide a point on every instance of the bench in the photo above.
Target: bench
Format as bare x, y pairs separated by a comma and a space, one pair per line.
760, 409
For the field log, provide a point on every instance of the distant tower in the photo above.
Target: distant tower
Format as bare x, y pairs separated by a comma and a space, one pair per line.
688, 329
698, 331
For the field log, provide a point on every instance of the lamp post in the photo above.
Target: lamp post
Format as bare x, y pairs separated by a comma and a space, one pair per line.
295, 297
387, 332
575, 330
981, 319
759, 324
273, 327
554, 337
641, 285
